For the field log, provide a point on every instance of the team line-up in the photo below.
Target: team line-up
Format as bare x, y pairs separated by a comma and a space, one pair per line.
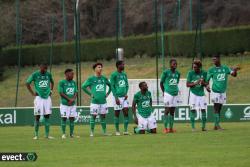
95, 86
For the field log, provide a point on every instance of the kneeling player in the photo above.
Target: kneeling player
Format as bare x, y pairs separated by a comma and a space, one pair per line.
143, 118
196, 82
68, 92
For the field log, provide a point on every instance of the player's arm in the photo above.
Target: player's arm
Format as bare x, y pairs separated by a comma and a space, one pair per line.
127, 87
112, 83
109, 87
134, 111
163, 77
28, 85
85, 87
189, 83
60, 90
234, 71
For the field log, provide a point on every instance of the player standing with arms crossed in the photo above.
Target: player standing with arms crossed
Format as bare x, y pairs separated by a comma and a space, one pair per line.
219, 75
68, 91
97, 85
119, 86
43, 83
169, 85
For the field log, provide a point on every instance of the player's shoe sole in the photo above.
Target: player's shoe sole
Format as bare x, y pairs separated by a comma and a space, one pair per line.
72, 136
107, 134
49, 137
64, 136
35, 138
126, 133
91, 134
117, 133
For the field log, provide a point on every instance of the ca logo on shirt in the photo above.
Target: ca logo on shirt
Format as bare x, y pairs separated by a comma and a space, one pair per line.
121, 83
70, 91
173, 81
43, 84
99, 87
145, 104
221, 77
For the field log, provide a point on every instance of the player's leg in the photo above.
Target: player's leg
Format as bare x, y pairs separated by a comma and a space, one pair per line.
37, 112
152, 124
192, 118
219, 116
171, 118
63, 112
216, 115
203, 119
103, 111
116, 122
193, 106
72, 116
93, 113
166, 119
126, 118
47, 104
142, 125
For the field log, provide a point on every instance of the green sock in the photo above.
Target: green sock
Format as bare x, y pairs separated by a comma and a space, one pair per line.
216, 119
171, 121
47, 124
63, 126
36, 125
137, 130
166, 121
71, 127
219, 119
103, 124
92, 123
125, 124
192, 118
116, 121
203, 119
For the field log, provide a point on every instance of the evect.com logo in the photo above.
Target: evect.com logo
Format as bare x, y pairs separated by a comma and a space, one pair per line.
18, 156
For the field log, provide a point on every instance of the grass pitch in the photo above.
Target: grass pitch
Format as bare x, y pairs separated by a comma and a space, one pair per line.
185, 148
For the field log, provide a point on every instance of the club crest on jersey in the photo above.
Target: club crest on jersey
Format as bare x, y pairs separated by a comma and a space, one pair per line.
100, 87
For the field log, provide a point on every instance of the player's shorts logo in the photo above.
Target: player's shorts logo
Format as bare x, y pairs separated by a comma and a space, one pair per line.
99, 87
247, 112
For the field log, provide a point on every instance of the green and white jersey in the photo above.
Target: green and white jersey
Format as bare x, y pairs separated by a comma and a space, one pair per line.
119, 84
194, 77
68, 88
219, 76
41, 82
143, 103
97, 87
170, 81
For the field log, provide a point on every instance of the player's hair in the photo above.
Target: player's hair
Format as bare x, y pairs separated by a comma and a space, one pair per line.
140, 84
68, 70
43, 64
172, 60
198, 63
119, 62
96, 64
216, 55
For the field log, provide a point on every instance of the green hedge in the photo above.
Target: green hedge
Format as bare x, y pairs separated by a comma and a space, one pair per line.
224, 41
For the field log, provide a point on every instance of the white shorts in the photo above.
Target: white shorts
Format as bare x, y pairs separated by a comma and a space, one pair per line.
197, 102
146, 123
96, 109
170, 101
68, 111
42, 106
218, 98
123, 103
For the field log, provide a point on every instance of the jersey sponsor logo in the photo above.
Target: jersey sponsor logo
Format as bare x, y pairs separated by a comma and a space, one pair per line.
145, 104
99, 87
173, 81
221, 77
70, 91
43, 84
121, 83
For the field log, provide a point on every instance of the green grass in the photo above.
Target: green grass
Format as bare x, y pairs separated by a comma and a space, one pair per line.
238, 88
185, 148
